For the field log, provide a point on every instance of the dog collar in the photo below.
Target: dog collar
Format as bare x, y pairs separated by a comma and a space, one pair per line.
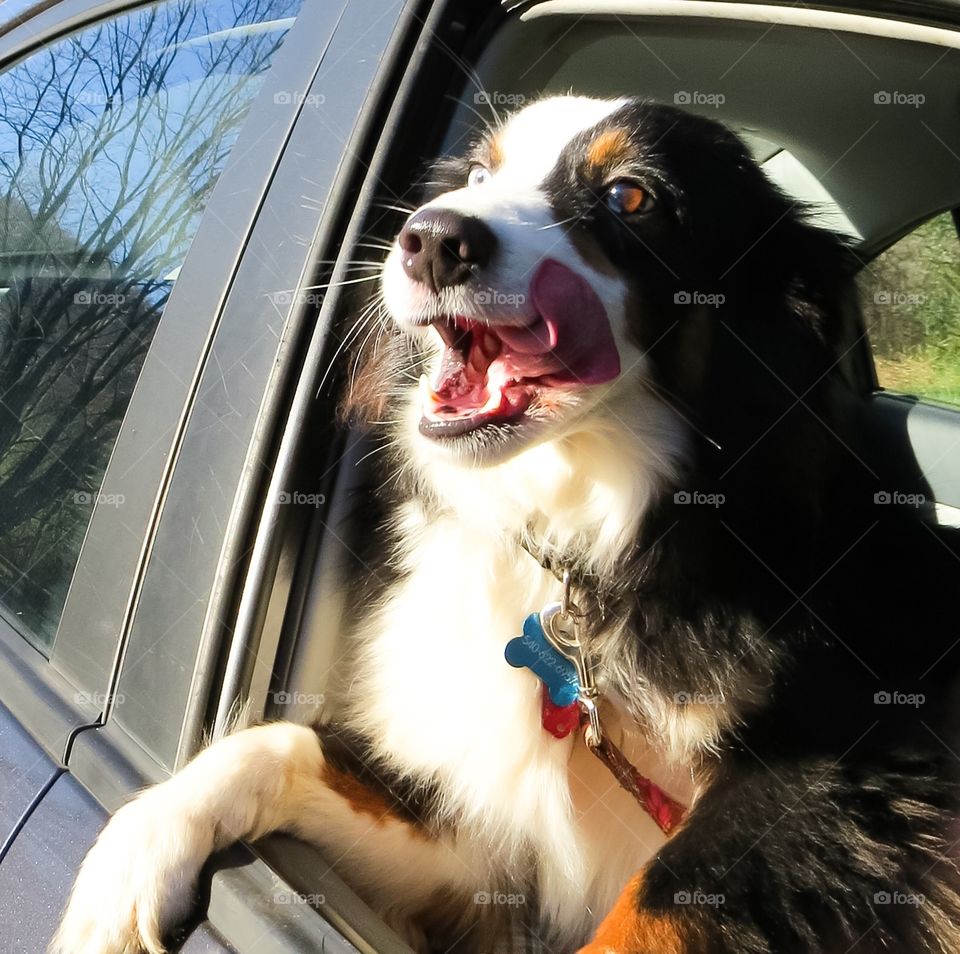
551, 648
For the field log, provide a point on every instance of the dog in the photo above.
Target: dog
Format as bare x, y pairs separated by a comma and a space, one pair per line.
635, 464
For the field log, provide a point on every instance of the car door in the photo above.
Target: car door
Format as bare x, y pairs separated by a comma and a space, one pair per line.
137, 143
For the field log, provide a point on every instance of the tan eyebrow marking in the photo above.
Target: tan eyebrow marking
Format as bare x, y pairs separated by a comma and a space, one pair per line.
609, 148
495, 151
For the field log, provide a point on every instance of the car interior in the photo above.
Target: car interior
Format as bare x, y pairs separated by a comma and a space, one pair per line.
799, 85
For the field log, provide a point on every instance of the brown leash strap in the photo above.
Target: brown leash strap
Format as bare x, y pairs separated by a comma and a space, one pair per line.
667, 812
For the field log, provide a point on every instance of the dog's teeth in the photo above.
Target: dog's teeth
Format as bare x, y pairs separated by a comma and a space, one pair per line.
493, 402
495, 398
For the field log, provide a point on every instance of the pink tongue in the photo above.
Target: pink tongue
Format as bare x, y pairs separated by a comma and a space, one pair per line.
533, 339
580, 340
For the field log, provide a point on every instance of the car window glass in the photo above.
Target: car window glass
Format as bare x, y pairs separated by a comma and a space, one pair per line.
111, 140
911, 301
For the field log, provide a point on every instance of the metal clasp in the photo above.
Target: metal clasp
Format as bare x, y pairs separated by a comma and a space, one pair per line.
561, 626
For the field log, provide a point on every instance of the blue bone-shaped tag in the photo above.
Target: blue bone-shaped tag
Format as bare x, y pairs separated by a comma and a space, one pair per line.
533, 651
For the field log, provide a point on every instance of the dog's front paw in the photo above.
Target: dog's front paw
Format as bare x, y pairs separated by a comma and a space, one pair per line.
137, 881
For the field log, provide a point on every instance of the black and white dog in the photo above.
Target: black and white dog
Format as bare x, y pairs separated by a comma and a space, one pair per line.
628, 338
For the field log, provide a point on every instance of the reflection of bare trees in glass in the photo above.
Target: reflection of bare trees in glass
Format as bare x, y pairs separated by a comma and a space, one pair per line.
110, 143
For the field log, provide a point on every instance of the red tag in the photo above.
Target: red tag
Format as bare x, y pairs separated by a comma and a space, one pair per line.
559, 721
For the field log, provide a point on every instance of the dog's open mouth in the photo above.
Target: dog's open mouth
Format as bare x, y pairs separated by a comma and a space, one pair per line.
490, 374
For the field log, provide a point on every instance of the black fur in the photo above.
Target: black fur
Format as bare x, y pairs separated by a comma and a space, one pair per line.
797, 599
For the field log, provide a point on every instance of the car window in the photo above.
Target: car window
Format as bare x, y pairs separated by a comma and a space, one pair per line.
111, 140
911, 301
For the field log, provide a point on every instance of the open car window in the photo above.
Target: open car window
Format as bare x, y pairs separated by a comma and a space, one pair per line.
910, 296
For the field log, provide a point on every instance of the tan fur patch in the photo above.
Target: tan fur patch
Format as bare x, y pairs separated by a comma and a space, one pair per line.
363, 800
495, 153
628, 930
449, 915
608, 150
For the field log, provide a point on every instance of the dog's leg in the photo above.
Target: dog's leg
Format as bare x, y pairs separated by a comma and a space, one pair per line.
817, 859
139, 878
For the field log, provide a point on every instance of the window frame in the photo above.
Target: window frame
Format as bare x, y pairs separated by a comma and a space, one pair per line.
225, 461
918, 435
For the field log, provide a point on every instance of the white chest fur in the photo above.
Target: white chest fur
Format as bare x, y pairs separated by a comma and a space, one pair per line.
438, 696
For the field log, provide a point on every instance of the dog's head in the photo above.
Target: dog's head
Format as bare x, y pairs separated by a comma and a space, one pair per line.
564, 261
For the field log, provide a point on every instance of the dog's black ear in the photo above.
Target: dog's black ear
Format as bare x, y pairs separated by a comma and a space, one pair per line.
768, 240
771, 249
820, 277
740, 234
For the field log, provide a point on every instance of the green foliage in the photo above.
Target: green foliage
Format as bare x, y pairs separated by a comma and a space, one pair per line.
911, 304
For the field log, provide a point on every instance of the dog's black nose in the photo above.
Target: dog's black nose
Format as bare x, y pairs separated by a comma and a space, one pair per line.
442, 248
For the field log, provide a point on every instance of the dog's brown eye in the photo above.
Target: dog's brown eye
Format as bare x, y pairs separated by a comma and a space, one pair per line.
626, 198
477, 175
